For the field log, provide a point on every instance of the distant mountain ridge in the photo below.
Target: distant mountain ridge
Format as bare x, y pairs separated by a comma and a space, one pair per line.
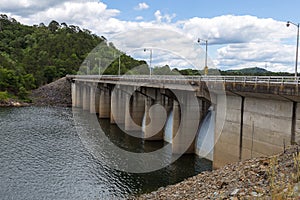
254, 71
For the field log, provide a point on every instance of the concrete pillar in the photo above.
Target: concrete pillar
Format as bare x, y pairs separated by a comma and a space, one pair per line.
176, 117
297, 123
78, 95
92, 99
184, 141
134, 112
118, 104
227, 133
168, 103
114, 106
73, 93
104, 106
86, 97
156, 116
97, 99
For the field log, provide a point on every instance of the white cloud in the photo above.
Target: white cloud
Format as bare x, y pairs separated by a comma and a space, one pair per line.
242, 41
246, 41
169, 46
142, 6
274, 56
87, 15
163, 18
234, 29
26, 7
139, 18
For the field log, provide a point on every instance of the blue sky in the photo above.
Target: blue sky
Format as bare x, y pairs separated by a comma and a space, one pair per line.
184, 9
244, 33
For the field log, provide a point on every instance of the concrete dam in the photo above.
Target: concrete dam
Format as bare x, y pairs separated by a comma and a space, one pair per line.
222, 118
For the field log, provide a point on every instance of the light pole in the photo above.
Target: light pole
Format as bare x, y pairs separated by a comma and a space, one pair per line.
119, 64
206, 44
87, 62
99, 65
150, 58
297, 47
119, 58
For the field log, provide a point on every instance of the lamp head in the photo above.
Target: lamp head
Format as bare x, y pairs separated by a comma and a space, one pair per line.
288, 24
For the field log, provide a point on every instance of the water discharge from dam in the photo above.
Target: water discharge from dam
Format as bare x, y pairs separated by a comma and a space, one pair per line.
168, 128
205, 138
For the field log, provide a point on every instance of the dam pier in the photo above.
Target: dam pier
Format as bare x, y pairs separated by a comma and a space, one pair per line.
224, 119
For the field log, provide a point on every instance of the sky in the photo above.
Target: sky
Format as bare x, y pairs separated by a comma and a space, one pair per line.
240, 34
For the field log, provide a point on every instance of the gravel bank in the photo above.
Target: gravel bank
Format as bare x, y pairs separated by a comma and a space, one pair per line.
259, 178
57, 93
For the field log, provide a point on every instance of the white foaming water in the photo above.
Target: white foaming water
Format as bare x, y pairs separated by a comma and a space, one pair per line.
169, 128
205, 140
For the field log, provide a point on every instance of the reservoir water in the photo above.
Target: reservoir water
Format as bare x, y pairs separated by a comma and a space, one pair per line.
43, 157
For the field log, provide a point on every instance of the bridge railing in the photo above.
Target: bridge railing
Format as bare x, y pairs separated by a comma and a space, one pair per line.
181, 79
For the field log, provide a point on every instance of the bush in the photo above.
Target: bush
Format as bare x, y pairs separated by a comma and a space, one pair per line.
4, 96
22, 94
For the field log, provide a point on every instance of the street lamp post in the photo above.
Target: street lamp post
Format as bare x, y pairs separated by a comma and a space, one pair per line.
99, 65
297, 47
150, 59
206, 44
119, 65
87, 62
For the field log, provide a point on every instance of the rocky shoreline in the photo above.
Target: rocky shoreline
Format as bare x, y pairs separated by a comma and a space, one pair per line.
275, 177
57, 93
13, 103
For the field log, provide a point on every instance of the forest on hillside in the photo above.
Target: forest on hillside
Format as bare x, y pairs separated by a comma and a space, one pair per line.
31, 56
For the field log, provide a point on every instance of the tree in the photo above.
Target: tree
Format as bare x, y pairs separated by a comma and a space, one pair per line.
50, 73
164, 70
31, 56
53, 26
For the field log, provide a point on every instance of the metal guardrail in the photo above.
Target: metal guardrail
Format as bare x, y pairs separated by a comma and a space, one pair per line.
174, 78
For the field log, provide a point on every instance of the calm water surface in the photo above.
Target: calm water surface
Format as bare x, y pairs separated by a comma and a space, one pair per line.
42, 157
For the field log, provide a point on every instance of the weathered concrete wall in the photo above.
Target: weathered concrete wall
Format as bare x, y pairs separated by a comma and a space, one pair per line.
73, 94
227, 133
297, 124
92, 99
104, 103
155, 118
134, 112
118, 104
85, 97
190, 112
267, 126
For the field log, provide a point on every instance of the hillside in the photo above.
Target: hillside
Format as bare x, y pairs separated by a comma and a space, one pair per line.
254, 71
32, 56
